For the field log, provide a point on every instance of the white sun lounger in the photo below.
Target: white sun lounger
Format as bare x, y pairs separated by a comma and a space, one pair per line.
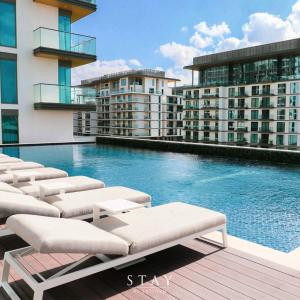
7, 160
130, 237
19, 166
29, 174
50, 187
78, 205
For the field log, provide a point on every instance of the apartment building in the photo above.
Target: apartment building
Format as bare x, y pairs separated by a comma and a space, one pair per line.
137, 103
37, 53
245, 97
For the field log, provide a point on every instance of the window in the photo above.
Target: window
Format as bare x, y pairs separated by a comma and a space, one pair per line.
255, 90
254, 126
293, 114
230, 126
280, 127
231, 92
266, 90
151, 91
240, 137
10, 131
8, 81
293, 140
293, 101
255, 102
206, 91
292, 127
7, 24
230, 137
281, 88
254, 115
241, 114
163, 83
281, 101
241, 91
265, 102
241, 102
254, 138
123, 81
281, 114
231, 114
294, 87
230, 103
280, 140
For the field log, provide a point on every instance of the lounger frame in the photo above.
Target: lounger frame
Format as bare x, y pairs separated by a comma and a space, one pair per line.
14, 259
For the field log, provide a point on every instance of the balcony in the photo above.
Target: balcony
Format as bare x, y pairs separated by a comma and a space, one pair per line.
78, 49
79, 8
210, 96
238, 95
209, 128
242, 129
59, 97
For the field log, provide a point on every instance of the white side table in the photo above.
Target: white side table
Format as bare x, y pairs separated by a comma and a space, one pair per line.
114, 207
54, 188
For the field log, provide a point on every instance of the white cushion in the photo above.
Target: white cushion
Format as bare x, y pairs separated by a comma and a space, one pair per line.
11, 204
81, 203
19, 166
73, 184
5, 187
150, 227
42, 173
6, 160
51, 235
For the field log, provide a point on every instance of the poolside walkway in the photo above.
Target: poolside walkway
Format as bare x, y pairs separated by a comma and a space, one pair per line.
196, 270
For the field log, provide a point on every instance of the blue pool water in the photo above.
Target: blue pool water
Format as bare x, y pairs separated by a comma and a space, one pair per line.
262, 202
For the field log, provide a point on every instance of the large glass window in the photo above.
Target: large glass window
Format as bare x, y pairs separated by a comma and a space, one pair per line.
254, 126
255, 102
292, 127
64, 79
281, 114
254, 138
293, 140
280, 127
7, 24
281, 101
293, 101
64, 24
230, 114
294, 87
8, 81
281, 88
254, 115
230, 103
293, 114
280, 140
10, 131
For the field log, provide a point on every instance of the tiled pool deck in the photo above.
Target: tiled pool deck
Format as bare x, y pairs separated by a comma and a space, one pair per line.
197, 270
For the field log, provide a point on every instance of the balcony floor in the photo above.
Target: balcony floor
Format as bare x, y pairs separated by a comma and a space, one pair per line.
199, 271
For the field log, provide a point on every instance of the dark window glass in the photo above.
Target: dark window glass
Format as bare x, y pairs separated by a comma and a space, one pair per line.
7, 24
254, 126
10, 127
8, 81
280, 127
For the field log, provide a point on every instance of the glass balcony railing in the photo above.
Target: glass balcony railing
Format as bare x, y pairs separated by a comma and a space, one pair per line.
60, 94
64, 41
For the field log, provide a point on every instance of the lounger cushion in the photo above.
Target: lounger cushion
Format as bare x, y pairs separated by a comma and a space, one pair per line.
44, 173
11, 204
20, 166
51, 235
5, 187
146, 228
76, 183
6, 160
81, 203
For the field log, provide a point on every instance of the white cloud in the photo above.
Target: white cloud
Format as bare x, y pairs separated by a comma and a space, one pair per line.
216, 30
201, 42
180, 54
179, 73
184, 29
134, 62
98, 68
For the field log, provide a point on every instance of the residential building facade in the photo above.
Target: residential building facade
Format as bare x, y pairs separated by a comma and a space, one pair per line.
245, 97
37, 52
137, 103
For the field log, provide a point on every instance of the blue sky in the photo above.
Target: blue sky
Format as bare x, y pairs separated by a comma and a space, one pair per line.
162, 33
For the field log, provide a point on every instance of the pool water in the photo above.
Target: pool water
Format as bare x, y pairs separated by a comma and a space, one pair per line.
261, 201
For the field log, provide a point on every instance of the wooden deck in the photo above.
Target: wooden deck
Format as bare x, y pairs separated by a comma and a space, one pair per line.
196, 270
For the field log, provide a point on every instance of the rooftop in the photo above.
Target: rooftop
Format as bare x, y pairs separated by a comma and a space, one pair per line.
129, 73
196, 270
283, 48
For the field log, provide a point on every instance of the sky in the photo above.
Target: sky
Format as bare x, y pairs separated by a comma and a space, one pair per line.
167, 34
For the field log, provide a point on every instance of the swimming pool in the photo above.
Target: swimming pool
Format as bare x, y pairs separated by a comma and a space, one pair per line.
261, 201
